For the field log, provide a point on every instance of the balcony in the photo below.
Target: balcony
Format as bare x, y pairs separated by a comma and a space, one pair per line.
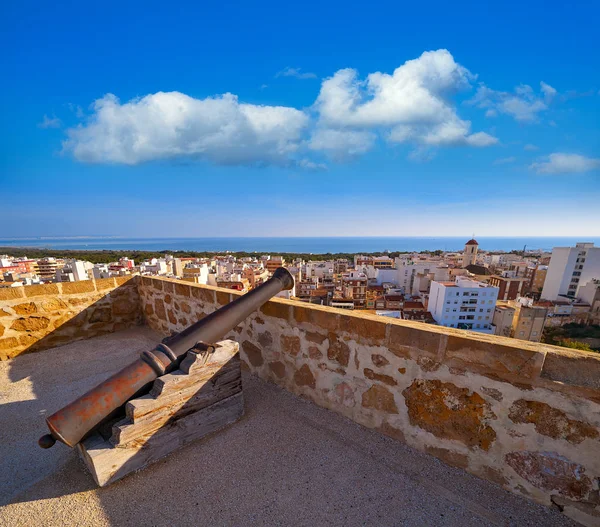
381, 399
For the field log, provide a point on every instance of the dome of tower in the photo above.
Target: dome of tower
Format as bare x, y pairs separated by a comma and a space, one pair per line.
472, 242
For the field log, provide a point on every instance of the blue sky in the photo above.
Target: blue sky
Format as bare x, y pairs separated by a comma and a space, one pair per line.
195, 119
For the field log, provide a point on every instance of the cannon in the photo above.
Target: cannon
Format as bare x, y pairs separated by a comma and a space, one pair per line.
75, 421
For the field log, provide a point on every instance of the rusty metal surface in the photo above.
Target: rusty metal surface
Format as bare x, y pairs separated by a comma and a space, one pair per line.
73, 422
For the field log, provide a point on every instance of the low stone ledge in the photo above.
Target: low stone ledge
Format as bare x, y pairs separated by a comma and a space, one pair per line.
581, 369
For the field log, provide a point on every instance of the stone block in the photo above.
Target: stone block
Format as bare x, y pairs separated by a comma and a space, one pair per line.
41, 289
265, 339
321, 317
364, 330
26, 308
493, 359
379, 360
379, 398
120, 280
30, 324
124, 306
74, 288
1, 330
450, 412
253, 352
10, 293
182, 290
101, 314
551, 422
102, 284
412, 343
8, 343
223, 298
338, 350
454, 459
304, 377
317, 338
574, 368
276, 309
203, 294
374, 376
551, 472
156, 284
290, 345
159, 309
53, 304
278, 368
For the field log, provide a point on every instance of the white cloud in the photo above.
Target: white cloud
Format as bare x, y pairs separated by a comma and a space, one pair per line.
412, 102
523, 105
505, 160
295, 72
531, 148
50, 122
166, 125
559, 163
549, 91
450, 133
341, 144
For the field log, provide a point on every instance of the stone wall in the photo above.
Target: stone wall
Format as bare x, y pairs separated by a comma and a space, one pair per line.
38, 317
523, 415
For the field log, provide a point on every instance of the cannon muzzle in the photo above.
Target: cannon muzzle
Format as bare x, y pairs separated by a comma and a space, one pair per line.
76, 420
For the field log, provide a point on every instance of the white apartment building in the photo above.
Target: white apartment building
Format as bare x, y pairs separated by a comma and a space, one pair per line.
464, 304
569, 269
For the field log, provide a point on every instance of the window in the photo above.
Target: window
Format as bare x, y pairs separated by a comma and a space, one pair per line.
481, 310
461, 318
478, 318
521, 333
488, 310
454, 310
470, 317
447, 311
534, 333
465, 293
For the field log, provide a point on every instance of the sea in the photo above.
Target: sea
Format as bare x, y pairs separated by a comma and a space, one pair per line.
314, 245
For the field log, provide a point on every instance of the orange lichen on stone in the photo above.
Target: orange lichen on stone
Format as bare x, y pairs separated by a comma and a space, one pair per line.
290, 345
551, 422
450, 412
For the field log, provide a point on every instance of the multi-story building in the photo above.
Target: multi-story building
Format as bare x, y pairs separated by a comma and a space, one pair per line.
529, 323
570, 268
536, 276
354, 285
464, 304
46, 268
273, 262
504, 316
508, 288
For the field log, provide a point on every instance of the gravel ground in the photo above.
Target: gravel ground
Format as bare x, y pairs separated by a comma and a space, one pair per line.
287, 462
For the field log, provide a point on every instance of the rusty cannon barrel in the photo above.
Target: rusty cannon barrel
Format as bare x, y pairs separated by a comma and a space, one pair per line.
72, 423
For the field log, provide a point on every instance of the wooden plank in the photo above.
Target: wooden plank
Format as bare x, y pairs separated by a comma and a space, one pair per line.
146, 404
126, 431
176, 389
108, 464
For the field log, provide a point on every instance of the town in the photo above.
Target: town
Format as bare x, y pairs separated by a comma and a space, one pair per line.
521, 295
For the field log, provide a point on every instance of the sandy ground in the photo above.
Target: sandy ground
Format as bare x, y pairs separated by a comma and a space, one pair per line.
287, 462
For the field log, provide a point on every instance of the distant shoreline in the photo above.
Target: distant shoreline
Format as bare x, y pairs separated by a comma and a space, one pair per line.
292, 245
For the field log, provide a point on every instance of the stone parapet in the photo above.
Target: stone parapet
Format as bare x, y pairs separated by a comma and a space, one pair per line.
39, 317
524, 415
